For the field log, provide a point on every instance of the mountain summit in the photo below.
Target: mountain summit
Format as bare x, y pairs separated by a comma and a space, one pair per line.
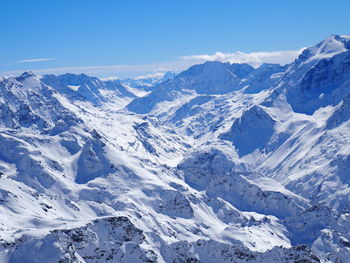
329, 47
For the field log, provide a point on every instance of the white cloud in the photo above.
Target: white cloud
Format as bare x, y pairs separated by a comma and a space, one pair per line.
111, 70
34, 60
154, 75
161, 69
180, 64
254, 58
112, 78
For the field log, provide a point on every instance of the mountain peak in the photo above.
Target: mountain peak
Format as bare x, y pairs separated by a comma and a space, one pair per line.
25, 75
207, 69
30, 79
169, 75
329, 47
334, 43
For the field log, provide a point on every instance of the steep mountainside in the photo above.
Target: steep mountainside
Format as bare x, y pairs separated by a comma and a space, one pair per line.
221, 163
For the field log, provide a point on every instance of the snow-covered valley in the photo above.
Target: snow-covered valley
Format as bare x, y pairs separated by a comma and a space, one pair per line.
219, 163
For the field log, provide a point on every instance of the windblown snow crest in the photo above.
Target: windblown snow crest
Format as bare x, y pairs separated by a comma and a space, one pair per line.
220, 163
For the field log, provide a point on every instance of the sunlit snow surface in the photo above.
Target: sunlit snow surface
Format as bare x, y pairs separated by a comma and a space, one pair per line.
220, 163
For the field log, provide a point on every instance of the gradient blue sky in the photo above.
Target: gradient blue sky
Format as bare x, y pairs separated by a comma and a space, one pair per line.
126, 38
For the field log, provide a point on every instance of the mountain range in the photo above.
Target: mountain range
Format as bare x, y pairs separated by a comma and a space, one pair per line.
219, 163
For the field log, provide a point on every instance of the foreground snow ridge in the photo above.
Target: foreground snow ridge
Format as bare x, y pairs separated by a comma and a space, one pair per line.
220, 163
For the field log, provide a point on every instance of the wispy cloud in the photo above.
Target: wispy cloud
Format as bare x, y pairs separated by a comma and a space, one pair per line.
34, 60
153, 75
179, 64
111, 70
254, 58
112, 78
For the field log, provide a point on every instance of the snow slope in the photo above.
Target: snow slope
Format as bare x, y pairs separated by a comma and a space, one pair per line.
222, 163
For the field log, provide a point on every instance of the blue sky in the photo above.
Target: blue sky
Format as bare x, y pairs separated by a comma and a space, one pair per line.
132, 37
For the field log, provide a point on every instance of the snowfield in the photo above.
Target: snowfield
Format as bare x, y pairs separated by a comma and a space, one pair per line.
219, 163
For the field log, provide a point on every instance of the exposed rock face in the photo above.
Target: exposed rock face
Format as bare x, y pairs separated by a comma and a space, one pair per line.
111, 239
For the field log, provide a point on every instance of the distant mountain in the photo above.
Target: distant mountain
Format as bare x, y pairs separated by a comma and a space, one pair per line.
87, 88
210, 78
220, 163
148, 81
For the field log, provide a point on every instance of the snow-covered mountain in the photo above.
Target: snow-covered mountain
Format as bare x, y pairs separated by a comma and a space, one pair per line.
146, 82
221, 163
210, 78
86, 88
